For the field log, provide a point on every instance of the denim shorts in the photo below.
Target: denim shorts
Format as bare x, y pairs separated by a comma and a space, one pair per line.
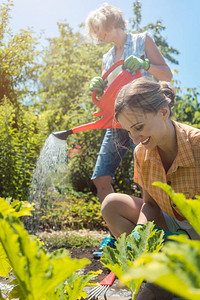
113, 148
173, 225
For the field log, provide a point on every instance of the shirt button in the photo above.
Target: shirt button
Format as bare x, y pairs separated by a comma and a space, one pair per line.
174, 205
169, 182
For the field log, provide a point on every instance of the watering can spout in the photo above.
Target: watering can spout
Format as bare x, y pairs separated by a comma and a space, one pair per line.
62, 135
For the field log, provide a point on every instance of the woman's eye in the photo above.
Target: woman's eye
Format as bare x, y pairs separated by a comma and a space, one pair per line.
138, 128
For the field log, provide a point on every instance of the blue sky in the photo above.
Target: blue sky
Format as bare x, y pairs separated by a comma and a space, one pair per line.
181, 18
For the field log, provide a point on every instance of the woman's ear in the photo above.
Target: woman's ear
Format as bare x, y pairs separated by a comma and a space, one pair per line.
165, 112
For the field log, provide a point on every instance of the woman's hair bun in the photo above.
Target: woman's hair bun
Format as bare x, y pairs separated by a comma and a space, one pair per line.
168, 92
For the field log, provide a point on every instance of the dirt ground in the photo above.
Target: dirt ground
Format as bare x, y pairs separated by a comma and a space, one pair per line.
95, 263
116, 290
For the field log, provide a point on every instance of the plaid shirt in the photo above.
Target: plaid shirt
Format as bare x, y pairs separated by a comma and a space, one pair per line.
183, 175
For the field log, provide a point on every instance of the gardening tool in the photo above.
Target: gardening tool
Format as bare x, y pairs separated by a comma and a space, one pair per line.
105, 103
102, 288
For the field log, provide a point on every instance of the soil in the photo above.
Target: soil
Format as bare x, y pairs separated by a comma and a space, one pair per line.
114, 291
95, 263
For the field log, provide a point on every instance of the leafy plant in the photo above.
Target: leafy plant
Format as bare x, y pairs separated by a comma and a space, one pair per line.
187, 107
21, 136
18, 55
39, 275
73, 210
68, 239
128, 249
176, 267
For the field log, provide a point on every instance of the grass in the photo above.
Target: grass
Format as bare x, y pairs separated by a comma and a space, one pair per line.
72, 238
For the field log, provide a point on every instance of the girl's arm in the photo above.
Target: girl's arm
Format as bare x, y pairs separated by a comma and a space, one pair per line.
158, 66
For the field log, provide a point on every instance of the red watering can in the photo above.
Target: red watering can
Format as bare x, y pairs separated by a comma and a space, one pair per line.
106, 103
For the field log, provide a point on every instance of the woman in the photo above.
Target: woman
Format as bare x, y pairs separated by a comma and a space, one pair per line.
107, 24
166, 151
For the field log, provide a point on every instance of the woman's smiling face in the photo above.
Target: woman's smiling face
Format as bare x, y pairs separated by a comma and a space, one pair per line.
145, 128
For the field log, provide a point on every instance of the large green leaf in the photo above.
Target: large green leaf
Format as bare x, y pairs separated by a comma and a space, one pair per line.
190, 208
120, 259
4, 263
76, 283
36, 272
15, 208
176, 268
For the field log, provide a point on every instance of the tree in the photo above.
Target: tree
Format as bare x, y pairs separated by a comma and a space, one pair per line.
187, 107
20, 145
156, 29
65, 76
18, 59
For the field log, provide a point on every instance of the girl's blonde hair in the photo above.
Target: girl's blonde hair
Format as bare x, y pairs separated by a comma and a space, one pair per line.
105, 17
145, 95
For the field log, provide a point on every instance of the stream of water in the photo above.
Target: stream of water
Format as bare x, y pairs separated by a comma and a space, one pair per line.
48, 176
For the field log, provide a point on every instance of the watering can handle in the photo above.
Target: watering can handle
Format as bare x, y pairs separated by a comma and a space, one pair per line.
117, 64
105, 75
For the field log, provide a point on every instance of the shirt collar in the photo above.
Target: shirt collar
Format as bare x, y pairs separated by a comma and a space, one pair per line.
184, 158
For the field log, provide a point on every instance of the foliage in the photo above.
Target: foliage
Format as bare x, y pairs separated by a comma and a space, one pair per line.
19, 148
39, 275
128, 249
70, 239
18, 56
176, 268
15, 209
65, 76
74, 210
156, 29
22, 132
189, 207
187, 107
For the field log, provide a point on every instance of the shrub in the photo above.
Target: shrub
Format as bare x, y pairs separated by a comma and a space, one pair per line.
21, 136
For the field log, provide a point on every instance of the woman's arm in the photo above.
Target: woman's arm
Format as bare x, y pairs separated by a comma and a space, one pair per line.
150, 211
158, 66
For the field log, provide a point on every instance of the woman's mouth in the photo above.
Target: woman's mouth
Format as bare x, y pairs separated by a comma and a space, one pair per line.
145, 142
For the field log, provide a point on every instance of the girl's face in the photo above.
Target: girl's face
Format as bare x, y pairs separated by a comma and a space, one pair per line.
107, 36
149, 129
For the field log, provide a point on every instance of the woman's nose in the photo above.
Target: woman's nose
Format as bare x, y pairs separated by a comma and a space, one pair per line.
135, 138
100, 35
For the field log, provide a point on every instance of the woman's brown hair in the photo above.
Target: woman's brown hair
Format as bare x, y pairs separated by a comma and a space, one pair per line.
144, 94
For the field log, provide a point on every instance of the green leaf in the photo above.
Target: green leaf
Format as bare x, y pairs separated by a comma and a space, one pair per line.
190, 208
176, 268
120, 259
76, 283
15, 208
4, 263
36, 272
